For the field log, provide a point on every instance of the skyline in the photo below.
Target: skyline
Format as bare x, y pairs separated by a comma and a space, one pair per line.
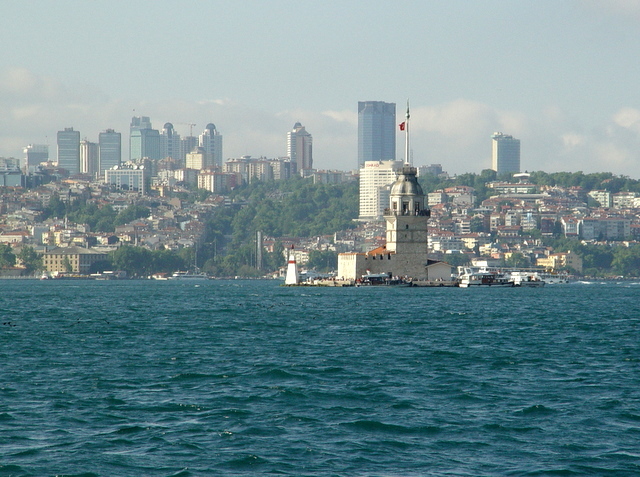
560, 77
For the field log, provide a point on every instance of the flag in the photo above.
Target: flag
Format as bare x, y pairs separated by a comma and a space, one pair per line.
402, 125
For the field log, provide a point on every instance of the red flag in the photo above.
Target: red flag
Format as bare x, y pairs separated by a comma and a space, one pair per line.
402, 125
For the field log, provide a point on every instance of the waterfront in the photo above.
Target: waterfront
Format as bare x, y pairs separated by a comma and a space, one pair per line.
249, 378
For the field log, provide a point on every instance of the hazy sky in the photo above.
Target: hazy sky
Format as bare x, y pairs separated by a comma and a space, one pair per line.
563, 76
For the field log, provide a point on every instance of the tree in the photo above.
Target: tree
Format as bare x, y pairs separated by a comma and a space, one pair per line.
323, 261
517, 260
31, 260
7, 258
66, 263
136, 261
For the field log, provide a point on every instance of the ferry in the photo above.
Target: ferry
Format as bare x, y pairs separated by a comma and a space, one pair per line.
484, 278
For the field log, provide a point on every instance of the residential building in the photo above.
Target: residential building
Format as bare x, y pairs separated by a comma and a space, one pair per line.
376, 178
376, 132
196, 159
604, 198
69, 150
211, 141
505, 153
216, 182
109, 150
300, 148
559, 261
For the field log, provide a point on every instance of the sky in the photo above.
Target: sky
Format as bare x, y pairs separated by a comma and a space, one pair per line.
561, 76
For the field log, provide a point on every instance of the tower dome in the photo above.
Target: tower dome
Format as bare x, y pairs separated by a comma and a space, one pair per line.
406, 196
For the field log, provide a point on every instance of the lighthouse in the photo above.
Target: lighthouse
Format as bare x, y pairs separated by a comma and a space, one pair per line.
292, 269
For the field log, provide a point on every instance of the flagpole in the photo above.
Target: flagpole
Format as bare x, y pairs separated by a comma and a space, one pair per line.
407, 160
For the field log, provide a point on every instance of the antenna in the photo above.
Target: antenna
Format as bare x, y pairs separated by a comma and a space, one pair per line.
408, 160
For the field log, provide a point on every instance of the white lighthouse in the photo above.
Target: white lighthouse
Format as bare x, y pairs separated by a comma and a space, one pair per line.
292, 270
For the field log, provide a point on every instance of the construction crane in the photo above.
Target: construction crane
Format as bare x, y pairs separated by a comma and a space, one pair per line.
191, 125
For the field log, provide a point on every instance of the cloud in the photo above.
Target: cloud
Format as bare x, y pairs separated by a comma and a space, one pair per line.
628, 118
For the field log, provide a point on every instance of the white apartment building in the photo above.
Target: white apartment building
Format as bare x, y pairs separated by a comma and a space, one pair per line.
376, 178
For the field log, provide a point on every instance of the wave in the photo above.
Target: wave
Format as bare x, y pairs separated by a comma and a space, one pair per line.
381, 427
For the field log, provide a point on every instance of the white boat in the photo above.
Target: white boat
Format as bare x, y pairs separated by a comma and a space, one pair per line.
554, 278
525, 278
484, 278
188, 276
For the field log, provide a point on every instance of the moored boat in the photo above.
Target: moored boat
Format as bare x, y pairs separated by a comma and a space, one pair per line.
188, 276
484, 278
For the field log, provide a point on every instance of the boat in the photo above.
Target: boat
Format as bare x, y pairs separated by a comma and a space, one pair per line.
179, 275
528, 281
382, 279
551, 278
484, 278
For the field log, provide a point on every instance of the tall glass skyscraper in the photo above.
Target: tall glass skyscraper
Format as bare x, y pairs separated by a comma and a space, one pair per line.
143, 140
376, 131
110, 150
69, 150
505, 153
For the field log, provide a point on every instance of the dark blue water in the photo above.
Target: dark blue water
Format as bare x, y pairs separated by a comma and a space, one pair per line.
230, 378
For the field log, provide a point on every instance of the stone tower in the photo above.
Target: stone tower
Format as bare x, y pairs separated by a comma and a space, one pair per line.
407, 218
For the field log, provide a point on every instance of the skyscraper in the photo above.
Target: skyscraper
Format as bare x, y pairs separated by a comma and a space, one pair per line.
300, 147
505, 153
170, 143
89, 158
34, 154
69, 150
143, 140
376, 178
110, 150
211, 141
376, 131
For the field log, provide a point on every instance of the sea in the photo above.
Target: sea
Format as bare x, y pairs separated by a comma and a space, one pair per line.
246, 377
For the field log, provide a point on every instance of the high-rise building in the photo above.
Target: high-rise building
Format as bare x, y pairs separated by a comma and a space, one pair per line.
376, 178
188, 144
170, 143
110, 150
89, 158
69, 150
34, 154
143, 140
300, 148
211, 141
505, 153
132, 178
376, 131
196, 159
